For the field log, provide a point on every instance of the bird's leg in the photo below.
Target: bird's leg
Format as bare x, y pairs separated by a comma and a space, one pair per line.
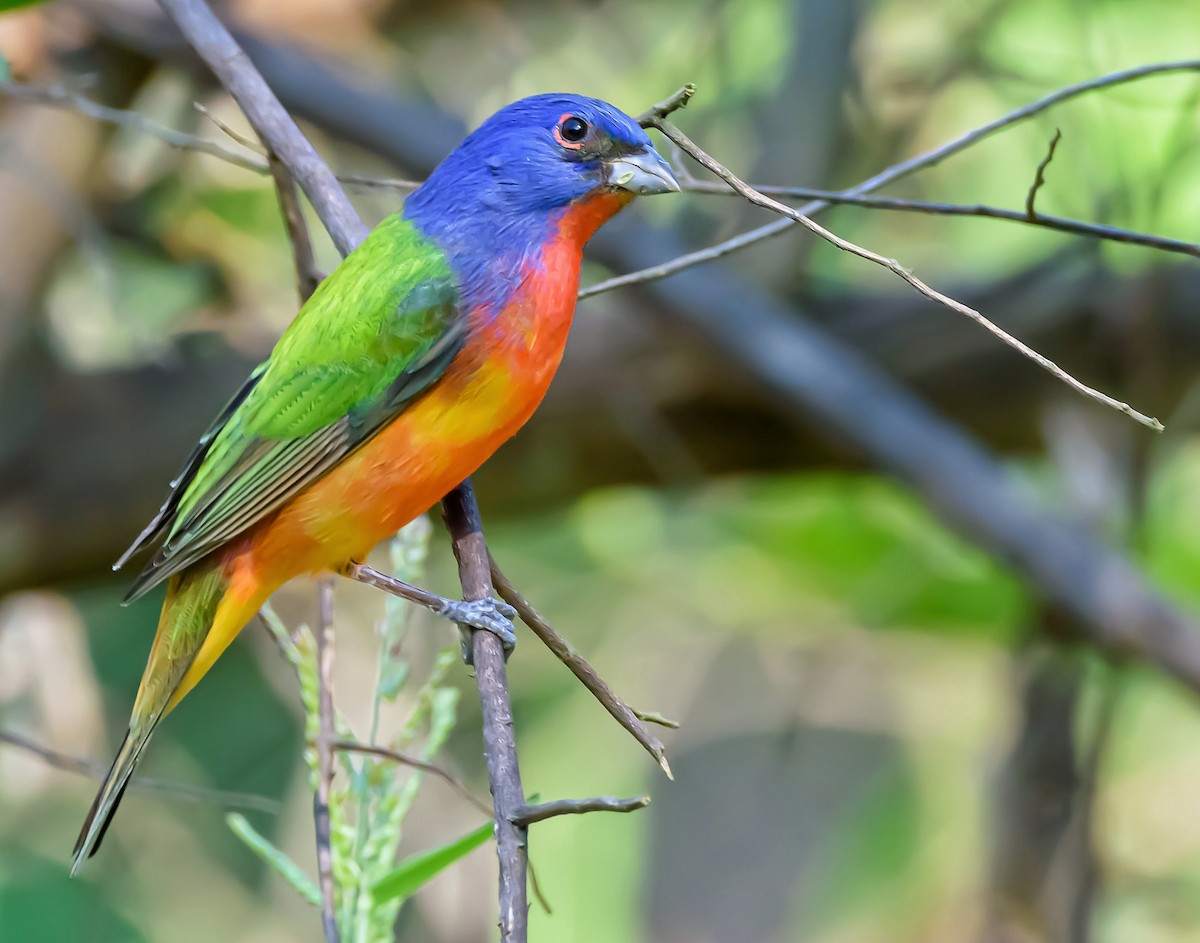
489, 614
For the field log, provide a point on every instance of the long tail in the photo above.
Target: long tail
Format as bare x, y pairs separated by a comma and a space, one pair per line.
200, 617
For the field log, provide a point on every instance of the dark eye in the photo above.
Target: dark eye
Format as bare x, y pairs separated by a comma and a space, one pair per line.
573, 129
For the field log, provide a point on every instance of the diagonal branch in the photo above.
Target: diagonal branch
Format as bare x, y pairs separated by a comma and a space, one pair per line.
628, 718
759, 199
84, 767
405, 759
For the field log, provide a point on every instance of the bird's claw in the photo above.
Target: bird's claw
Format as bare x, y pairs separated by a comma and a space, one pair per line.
489, 614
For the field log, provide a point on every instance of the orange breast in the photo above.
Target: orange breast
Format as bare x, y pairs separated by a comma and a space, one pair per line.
490, 390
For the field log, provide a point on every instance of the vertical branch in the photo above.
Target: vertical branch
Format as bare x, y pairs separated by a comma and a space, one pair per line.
307, 276
326, 737
499, 743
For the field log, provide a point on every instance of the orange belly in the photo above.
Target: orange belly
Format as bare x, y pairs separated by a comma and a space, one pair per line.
440, 439
408, 467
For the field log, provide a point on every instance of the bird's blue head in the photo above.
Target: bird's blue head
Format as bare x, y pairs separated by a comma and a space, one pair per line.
516, 176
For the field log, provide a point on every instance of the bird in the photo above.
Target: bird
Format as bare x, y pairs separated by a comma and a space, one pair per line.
422, 352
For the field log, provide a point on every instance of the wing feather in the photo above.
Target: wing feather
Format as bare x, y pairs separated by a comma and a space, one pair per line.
334, 379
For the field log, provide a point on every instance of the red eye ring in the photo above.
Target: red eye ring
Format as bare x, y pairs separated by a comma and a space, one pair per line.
571, 131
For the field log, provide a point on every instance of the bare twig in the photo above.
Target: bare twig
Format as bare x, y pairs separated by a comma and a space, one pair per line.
759, 199
60, 96
386, 183
325, 741
980, 210
653, 717
307, 276
249, 143
499, 745
529, 814
890, 174
565, 652
353, 746
84, 767
389, 584
1039, 177
672, 103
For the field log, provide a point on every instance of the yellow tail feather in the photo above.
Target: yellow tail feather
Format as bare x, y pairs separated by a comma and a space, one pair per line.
199, 619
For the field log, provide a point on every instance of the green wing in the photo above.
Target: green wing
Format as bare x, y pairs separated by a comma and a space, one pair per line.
380, 329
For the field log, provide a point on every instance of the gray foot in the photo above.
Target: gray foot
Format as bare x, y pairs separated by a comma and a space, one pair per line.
489, 614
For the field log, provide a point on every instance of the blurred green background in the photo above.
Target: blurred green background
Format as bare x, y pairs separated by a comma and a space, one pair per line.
886, 736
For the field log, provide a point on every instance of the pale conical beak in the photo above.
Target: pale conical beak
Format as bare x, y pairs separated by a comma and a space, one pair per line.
643, 174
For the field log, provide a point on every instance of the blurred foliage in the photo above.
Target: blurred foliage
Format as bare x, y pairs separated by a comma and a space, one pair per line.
845, 668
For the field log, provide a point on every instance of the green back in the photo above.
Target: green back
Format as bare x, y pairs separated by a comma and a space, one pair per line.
381, 328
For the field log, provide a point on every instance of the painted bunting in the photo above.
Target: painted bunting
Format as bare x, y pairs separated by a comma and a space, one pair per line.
424, 350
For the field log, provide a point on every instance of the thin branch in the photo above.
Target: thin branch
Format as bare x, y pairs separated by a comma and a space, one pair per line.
890, 174
499, 744
1039, 177
93, 770
753, 196
389, 584
565, 652
384, 183
307, 275
529, 814
672, 103
325, 741
249, 143
653, 717
933, 208
353, 746
60, 96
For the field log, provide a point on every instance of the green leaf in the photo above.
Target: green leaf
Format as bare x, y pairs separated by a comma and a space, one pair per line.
285, 866
5, 69
417, 870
